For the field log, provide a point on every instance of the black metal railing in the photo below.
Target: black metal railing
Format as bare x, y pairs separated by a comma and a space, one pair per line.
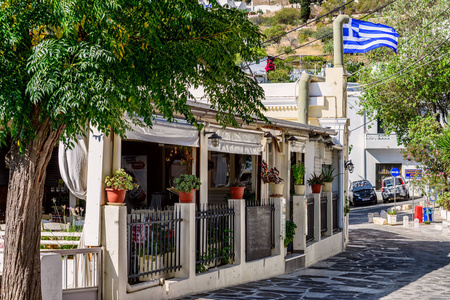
153, 244
335, 213
214, 236
323, 214
310, 219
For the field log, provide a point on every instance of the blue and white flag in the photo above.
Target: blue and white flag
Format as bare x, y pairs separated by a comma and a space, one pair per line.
362, 36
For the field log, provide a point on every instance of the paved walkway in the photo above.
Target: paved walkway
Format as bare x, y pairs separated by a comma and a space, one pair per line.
380, 262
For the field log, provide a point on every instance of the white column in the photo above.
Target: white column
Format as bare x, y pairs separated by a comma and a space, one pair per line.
280, 225
187, 243
117, 152
51, 279
99, 166
309, 164
114, 239
299, 218
203, 168
239, 229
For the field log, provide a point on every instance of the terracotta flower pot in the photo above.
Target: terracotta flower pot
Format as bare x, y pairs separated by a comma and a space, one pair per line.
186, 197
316, 188
115, 196
237, 192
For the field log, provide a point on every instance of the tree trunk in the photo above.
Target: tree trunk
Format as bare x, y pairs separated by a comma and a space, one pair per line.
27, 172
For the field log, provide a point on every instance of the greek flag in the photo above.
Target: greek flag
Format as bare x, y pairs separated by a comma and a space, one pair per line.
361, 36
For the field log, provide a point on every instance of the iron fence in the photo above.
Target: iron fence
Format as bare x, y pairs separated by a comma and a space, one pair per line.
153, 244
310, 220
214, 236
323, 214
335, 213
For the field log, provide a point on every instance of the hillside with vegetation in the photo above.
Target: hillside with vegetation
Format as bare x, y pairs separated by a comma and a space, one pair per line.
297, 40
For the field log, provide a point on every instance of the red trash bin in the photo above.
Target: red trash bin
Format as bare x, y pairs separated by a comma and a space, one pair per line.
418, 213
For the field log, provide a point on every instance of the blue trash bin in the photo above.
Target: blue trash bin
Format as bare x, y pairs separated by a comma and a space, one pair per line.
428, 216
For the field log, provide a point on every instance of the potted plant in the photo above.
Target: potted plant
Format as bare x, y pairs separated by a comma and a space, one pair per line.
186, 185
290, 232
316, 182
117, 186
298, 172
237, 189
327, 174
392, 217
272, 177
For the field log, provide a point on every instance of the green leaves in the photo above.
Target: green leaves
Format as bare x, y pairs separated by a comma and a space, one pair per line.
80, 62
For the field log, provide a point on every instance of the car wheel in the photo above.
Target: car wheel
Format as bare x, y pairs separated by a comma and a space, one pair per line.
407, 196
385, 200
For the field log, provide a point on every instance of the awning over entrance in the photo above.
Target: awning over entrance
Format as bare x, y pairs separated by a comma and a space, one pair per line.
164, 132
237, 142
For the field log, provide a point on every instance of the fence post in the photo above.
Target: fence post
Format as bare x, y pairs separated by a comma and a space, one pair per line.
329, 214
280, 225
317, 219
239, 229
187, 240
51, 279
299, 218
114, 239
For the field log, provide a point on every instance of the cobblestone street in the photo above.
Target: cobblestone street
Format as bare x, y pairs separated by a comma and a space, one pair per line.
380, 262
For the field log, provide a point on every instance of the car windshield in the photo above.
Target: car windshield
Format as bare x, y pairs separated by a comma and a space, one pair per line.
388, 182
361, 185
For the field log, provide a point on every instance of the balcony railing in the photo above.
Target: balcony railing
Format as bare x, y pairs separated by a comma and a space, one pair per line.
381, 141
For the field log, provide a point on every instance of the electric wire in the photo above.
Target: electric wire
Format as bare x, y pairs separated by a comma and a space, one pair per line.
308, 22
414, 63
406, 72
328, 34
411, 37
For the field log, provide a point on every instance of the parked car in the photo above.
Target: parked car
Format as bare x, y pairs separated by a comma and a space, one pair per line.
399, 189
361, 192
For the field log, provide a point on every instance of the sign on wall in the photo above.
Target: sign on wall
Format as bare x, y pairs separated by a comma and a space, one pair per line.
411, 173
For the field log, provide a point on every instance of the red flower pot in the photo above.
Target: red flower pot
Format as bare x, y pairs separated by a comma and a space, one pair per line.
115, 196
237, 192
316, 188
186, 197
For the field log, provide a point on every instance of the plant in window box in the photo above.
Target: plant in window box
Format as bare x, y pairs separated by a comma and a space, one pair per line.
298, 172
272, 177
316, 182
327, 174
186, 185
117, 186
237, 188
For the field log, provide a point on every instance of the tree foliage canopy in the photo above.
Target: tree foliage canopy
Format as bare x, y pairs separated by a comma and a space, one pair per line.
75, 62
419, 86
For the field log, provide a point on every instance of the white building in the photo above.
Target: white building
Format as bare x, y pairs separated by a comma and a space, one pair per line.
372, 152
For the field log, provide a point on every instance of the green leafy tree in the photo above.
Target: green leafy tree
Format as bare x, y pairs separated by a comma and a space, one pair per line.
66, 64
330, 5
305, 10
286, 16
418, 87
275, 33
281, 73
